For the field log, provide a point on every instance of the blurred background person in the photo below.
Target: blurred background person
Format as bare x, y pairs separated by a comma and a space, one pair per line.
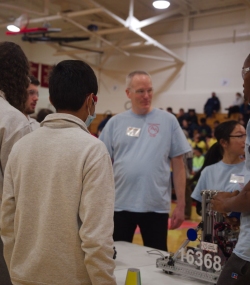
30, 104
42, 114
235, 107
212, 105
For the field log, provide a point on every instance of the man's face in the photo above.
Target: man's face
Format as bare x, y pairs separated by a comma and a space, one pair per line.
33, 95
246, 85
140, 93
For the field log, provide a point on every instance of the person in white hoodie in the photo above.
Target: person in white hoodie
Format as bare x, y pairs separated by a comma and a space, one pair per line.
13, 124
58, 197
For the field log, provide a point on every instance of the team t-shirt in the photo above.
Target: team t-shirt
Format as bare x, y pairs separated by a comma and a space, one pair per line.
141, 147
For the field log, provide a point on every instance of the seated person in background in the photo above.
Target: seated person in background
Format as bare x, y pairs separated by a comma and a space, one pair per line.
216, 124
204, 129
42, 114
198, 142
235, 108
223, 168
211, 140
103, 123
181, 116
30, 105
212, 105
198, 160
187, 128
170, 110
192, 119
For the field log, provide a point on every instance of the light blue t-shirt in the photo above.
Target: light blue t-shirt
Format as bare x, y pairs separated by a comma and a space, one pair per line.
219, 177
141, 147
242, 248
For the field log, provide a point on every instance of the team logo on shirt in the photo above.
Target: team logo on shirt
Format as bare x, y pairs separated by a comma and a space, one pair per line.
153, 129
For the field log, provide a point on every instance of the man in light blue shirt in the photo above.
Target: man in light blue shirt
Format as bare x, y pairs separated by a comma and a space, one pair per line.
237, 268
144, 143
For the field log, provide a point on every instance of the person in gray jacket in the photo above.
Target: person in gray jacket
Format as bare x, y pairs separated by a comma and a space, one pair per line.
14, 81
58, 197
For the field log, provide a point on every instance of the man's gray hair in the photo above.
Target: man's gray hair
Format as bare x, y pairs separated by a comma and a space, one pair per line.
132, 74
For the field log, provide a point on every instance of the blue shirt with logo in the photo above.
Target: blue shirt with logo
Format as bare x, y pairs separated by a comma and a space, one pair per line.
141, 147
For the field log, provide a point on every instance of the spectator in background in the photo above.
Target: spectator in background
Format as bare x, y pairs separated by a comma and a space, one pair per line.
187, 128
215, 124
13, 124
212, 105
181, 116
235, 107
198, 160
192, 120
30, 104
211, 140
204, 129
170, 110
42, 114
198, 142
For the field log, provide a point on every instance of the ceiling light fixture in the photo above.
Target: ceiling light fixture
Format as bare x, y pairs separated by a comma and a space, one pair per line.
161, 4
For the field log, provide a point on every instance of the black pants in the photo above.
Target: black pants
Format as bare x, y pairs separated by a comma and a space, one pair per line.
235, 272
4, 273
153, 227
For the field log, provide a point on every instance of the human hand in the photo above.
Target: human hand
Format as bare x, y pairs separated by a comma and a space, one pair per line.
177, 217
219, 201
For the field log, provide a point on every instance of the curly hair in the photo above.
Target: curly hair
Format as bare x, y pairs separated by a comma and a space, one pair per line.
14, 79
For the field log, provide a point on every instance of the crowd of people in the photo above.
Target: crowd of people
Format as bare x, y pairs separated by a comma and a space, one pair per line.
66, 196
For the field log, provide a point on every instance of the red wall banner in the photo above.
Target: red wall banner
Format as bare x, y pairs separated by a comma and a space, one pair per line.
34, 69
45, 71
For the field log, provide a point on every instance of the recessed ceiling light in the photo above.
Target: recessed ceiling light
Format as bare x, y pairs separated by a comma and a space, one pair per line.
161, 4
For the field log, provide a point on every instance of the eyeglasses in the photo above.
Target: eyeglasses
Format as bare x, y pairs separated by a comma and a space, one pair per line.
142, 92
244, 71
33, 93
239, 136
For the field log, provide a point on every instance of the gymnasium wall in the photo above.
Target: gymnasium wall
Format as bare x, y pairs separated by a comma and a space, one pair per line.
212, 47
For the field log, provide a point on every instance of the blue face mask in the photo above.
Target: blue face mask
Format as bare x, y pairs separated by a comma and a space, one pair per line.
90, 118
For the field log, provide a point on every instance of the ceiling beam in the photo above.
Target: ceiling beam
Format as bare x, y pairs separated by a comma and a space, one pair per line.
60, 16
158, 18
93, 34
138, 31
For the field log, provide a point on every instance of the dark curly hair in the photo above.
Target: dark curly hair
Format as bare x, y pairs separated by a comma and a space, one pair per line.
14, 68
